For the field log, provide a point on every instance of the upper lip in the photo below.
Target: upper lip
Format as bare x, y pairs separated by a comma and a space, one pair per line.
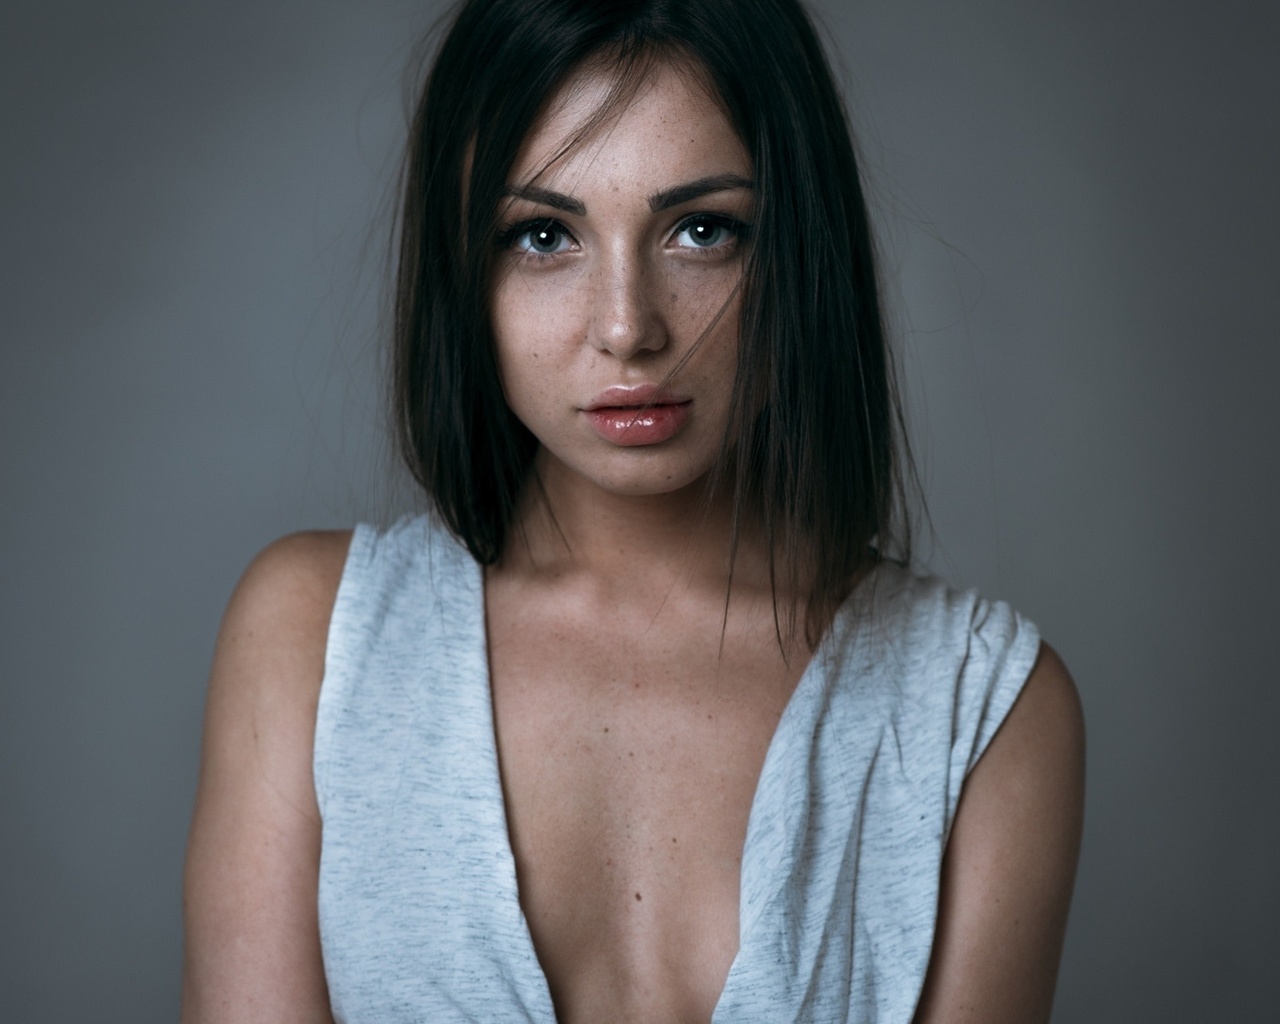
634, 396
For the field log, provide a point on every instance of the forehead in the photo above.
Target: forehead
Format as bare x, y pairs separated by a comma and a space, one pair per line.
669, 129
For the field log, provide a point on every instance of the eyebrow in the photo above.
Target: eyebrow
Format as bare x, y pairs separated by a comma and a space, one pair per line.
670, 197
546, 197
659, 201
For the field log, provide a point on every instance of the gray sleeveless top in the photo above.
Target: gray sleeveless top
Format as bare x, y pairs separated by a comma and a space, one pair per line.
420, 919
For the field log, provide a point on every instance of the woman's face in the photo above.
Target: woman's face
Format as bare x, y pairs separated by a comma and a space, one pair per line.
614, 259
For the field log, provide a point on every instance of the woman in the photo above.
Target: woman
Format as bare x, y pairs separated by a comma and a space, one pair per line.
641, 722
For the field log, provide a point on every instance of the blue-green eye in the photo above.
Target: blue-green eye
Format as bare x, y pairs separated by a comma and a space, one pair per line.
542, 238
705, 231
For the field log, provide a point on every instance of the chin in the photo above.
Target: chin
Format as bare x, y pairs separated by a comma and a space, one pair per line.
652, 488
635, 474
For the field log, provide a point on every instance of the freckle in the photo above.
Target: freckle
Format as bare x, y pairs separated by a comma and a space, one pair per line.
631, 753
606, 728
673, 839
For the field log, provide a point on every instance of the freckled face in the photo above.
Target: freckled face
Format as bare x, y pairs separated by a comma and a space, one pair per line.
614, 260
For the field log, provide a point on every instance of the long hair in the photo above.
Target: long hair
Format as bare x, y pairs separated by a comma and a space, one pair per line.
815, 452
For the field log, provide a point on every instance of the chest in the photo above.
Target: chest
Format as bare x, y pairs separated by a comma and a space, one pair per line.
629, 754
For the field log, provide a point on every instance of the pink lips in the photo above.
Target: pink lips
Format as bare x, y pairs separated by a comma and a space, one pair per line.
635, 416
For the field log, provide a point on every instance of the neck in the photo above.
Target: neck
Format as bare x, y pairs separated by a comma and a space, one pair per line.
568, 524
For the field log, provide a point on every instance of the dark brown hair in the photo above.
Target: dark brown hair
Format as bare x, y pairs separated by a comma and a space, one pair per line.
815, 453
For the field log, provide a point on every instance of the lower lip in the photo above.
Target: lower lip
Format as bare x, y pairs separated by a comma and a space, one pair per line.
636, 427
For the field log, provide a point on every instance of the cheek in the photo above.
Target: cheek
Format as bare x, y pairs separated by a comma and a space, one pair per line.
693, 297
523, 366
537, 329
539, 303
530, 327
706, 310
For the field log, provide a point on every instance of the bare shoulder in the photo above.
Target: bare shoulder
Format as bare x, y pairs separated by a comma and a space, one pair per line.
1043, 739
1010, 863
292, 581
252, 942
269, 658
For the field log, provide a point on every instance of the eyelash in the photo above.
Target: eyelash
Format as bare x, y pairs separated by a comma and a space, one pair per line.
508, 236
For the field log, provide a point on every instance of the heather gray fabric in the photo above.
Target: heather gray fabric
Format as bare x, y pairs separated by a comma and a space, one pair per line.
419, 915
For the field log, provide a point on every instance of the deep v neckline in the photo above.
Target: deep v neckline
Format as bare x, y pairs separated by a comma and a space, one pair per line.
418, 902
752, 881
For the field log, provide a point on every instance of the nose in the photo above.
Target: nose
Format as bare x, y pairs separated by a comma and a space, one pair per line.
626, 315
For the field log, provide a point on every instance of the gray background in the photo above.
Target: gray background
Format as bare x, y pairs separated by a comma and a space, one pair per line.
1080, 216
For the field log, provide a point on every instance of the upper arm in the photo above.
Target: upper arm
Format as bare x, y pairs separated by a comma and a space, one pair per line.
1010, 863
249, 889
